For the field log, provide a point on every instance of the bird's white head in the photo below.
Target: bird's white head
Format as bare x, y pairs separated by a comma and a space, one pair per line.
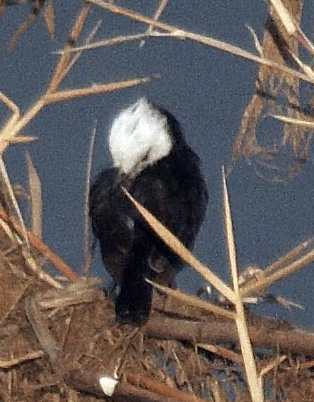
139, 136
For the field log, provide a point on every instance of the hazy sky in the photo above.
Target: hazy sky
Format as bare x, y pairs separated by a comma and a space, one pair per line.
206, 89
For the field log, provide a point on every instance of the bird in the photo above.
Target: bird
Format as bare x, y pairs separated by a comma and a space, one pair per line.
153, 162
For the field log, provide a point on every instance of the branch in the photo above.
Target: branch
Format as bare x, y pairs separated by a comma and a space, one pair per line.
264, 332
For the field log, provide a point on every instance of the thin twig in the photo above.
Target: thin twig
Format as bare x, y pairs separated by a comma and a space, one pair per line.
96, 89
263, 282
195, 301
183, 34
288, 256
36, 354
59, 72
104, 42
42, 248
162, 5
11, 105
87, 258
152, 385
78, 54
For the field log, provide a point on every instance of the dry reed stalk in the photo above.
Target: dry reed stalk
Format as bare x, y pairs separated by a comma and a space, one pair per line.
48, 14
276, 271
282, 267
180, 33
194, 301
254, 383
290, 24
17, 122
159, 10
149, 384
175, 244
264, 281
87, 253
105, 42
290, 120
16, 361
43, 249
10, 133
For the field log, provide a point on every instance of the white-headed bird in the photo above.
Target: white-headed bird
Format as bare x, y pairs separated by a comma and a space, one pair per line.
152, 160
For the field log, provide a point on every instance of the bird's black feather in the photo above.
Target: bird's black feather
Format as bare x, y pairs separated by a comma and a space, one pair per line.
173, 190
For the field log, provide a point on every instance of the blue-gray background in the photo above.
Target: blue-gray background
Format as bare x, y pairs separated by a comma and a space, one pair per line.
206, 89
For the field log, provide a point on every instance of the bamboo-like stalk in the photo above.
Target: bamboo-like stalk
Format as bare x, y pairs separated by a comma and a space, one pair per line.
254, 383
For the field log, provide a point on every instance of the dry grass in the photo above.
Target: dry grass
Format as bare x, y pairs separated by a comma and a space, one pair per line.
72, 325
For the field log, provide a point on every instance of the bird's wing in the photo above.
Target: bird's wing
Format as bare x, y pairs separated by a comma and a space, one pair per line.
179, 202
111, 222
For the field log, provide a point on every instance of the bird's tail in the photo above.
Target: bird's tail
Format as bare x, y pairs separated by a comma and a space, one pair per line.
134, 301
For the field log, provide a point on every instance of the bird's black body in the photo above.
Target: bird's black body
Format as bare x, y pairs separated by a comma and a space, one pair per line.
172, 189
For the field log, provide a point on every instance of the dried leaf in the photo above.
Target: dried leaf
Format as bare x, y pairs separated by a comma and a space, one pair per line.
34, 185
49, 17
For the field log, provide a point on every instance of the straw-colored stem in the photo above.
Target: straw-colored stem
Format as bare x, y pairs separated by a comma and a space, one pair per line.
42, 248
254, 383
183, 34
287, 257
87, 258
195, 301
263, 282
59, 72
175, 244
92, 90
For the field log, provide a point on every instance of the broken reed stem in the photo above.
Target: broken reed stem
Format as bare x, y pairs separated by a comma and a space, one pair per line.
12, 128
35, 193
287, 257
60, 69
291, 26
277, 270
54, 82
263, 282
16, 361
